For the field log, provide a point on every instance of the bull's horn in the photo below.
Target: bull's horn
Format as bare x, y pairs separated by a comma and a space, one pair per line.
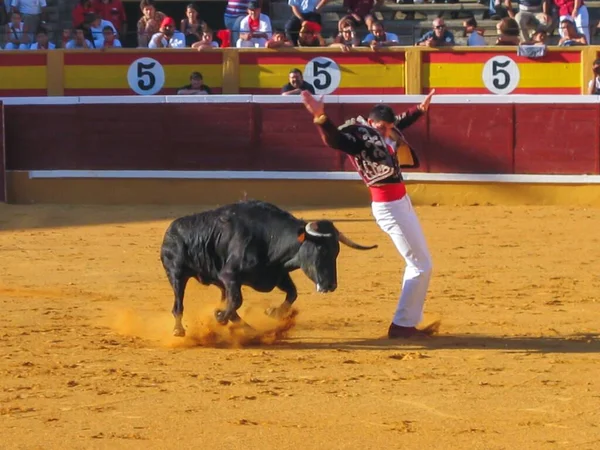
310, 230
349, 243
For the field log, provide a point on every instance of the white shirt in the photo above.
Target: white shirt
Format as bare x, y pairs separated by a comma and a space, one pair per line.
264, 25
176, 41
32, 7
389, 37
596, 83
97, 31
476, 40
71, 44
99, 43
34, 46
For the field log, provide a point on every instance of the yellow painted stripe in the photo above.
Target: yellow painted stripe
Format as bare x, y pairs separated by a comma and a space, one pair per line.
353, 75
115, 77
532, 75
23, 77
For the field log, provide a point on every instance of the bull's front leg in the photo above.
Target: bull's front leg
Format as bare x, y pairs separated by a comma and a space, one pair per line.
233, 297
286, 285
178, 283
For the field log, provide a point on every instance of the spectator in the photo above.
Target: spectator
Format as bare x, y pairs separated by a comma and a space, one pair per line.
532, 15
191, 26
196, 86
378, 37
4, 10
16, 33
508, 32
539, 38
360, 12
41, 41
79, 12
206, 41
149, 23
32, 12
108, 39
439, 36
302, 11
347, 38
279, 40
167, 36
79, 40
310, 35
473, 34
594, 84
114, 12
235, 11
296, 84
97, 25
255, 28
570, 35
579, 14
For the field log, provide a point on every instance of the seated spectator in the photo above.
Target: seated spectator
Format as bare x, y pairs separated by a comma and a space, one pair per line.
594, 84
302, 11
439, 36
279, 40
576, 10
167, 36
206, 41
108, 39
79, 40
79, 12
360, 12
296, 84
16, 33
378, 37
508, 32
533, 15
114, 12
196, 86
97, 26
149, 23
41, 41
255, 28
539, 38
570, 35
475, 35
67, 35
310, 35
33, 13
347, 38
192, 26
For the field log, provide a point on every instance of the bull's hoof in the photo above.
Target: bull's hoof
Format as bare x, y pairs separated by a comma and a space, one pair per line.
221, 316
179, 332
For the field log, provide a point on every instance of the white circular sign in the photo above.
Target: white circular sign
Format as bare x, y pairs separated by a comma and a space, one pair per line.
146, 76
501, 75
324, 74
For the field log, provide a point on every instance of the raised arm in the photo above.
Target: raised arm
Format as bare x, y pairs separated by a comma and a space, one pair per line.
409, 117
330, 134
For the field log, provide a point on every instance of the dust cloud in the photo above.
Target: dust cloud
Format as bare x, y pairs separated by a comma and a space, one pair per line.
202, 330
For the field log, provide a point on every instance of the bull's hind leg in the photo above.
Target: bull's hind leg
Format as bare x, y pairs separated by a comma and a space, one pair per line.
179, 283
286, 285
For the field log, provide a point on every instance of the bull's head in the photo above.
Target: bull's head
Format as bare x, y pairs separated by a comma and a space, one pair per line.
319, 251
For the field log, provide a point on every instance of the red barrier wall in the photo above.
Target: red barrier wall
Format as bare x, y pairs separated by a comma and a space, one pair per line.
466, 138
2, 157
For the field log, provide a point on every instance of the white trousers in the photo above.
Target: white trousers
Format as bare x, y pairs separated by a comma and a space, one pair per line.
399, 220
582, 23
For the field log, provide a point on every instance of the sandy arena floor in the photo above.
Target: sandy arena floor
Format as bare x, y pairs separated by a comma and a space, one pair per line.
88, 360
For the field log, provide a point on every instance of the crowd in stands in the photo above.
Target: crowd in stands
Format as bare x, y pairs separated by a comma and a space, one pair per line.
103, 24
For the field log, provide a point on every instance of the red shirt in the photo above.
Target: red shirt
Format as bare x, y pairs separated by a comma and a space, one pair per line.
565, 7
105, 11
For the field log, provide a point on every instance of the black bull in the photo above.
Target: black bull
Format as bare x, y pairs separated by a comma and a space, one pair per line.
249, 243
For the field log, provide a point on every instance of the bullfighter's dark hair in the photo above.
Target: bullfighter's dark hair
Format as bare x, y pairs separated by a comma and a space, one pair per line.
382, 113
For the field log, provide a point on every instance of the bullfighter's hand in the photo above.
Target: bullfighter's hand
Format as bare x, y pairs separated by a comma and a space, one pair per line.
424, 106
314, 106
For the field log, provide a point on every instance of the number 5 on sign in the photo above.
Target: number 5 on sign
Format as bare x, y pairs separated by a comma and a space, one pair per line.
146, 76
324, 74
501, 75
